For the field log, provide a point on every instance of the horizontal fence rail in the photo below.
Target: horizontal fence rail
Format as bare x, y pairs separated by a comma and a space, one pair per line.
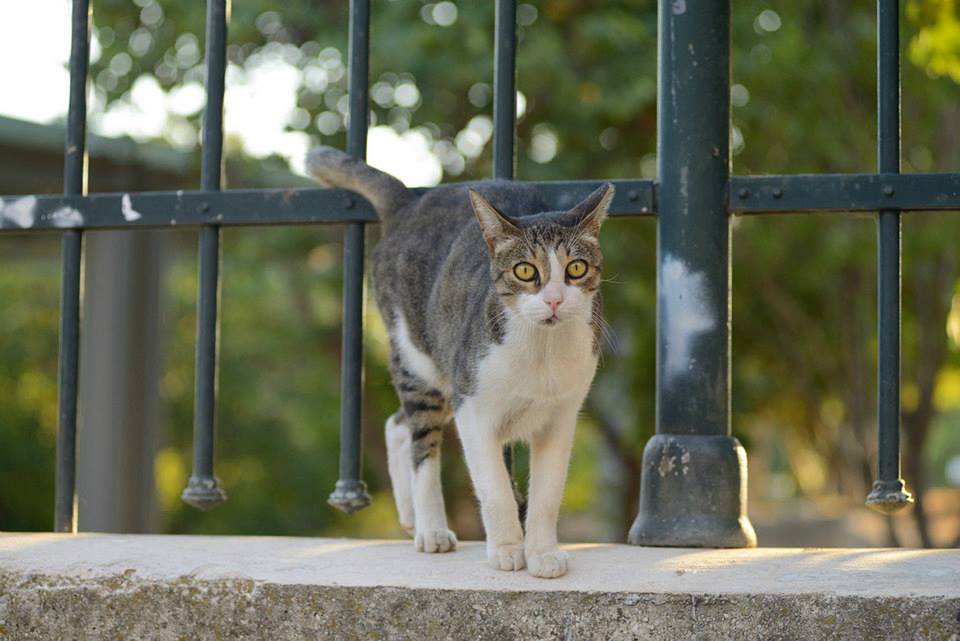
693, 200
749, 196
843, 193
252, 207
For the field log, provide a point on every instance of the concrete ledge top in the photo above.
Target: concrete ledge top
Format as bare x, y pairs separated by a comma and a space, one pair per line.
601, 568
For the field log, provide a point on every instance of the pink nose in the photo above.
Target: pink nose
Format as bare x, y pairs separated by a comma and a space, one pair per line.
554, 300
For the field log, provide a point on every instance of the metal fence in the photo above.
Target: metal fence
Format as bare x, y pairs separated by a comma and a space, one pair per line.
699, 497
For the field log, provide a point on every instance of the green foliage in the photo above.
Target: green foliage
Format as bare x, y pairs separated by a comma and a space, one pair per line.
936, 47
28, 389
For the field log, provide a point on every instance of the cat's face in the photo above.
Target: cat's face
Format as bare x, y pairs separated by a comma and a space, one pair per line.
546, 269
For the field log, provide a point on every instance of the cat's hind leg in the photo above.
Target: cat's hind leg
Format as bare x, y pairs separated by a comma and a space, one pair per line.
426, 414
399, 464
426, 431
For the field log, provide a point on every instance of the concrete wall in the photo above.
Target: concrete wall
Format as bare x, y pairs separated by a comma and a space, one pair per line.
170, 588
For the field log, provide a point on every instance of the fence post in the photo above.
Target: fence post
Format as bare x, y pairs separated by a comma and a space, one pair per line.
693, 490
350, 493
74, 182
505, 133
889, 493
203, 490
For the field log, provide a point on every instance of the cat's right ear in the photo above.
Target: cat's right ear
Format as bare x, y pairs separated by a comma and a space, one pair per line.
496, 227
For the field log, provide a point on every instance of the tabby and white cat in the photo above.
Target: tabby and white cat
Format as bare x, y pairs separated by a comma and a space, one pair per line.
494, 325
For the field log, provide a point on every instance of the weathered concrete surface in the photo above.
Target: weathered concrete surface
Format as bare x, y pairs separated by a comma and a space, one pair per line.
218, 588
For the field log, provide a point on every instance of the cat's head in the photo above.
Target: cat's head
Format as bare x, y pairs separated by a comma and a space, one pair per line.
546, 268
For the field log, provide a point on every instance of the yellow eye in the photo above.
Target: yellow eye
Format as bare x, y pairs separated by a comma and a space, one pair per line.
525, 271
577, 268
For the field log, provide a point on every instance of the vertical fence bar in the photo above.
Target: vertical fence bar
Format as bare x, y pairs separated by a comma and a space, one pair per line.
74, 182
203, 491
505, 115
350, 493
505, 90
888, 493
693, 488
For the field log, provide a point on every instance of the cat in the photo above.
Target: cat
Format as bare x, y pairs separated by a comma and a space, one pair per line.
492, 305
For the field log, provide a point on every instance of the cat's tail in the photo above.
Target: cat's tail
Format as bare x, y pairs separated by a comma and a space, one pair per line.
333, 168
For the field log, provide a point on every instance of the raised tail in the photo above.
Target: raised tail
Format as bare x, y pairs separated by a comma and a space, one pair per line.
333, 168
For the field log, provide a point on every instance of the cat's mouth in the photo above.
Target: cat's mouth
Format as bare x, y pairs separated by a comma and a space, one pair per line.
553, 320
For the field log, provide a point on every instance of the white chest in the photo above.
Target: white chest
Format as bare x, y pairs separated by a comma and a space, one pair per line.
538, 367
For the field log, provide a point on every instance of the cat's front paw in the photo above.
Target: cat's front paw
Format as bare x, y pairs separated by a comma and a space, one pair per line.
548, 565
432, 541
507, 557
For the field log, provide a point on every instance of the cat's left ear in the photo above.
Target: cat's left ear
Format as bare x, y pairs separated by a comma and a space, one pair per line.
592, 211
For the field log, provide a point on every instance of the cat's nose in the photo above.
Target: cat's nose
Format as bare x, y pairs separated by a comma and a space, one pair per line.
553, 297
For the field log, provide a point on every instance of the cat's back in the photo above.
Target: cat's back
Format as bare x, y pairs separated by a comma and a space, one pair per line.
444, 212
424, 237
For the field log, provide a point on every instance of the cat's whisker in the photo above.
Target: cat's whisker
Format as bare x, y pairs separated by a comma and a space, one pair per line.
607, 335
499, 316
608, 332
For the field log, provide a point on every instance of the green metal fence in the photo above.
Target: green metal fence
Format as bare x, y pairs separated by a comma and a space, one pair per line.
697, 499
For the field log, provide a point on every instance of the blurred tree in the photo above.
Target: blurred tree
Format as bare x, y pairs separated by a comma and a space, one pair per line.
28, 389
936, 45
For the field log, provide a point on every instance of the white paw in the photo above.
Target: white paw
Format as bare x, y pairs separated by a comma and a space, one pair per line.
431, 541
507, 557
408, 528
548, 565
